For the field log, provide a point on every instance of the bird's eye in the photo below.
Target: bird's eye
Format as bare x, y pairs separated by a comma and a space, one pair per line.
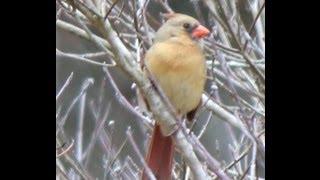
186, 25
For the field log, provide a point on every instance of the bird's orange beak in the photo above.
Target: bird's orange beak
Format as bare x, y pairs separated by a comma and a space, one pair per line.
200, 32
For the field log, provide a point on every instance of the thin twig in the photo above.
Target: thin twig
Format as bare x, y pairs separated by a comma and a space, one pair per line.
65, 150
65, 85
136, 149
62, 120
110, 9
96, 133
79, 58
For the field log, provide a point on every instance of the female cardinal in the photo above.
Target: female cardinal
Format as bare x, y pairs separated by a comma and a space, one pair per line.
177, 63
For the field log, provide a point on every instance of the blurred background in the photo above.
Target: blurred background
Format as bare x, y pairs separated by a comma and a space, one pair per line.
89, 104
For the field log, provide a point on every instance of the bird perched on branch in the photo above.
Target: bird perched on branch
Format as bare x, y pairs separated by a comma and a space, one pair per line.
177, 63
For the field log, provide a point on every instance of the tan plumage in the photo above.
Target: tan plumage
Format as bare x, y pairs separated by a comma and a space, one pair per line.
177, 63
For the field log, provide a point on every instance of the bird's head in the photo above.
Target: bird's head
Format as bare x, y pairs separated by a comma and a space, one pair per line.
181, 25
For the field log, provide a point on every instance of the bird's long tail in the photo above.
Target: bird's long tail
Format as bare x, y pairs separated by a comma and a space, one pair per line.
160, 155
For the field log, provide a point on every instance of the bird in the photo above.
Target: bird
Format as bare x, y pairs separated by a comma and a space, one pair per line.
177, 63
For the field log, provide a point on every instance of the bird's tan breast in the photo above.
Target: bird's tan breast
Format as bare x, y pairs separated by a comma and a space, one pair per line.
180, 71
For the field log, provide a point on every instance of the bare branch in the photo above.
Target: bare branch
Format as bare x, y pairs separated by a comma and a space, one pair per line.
120, 97
235, 63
